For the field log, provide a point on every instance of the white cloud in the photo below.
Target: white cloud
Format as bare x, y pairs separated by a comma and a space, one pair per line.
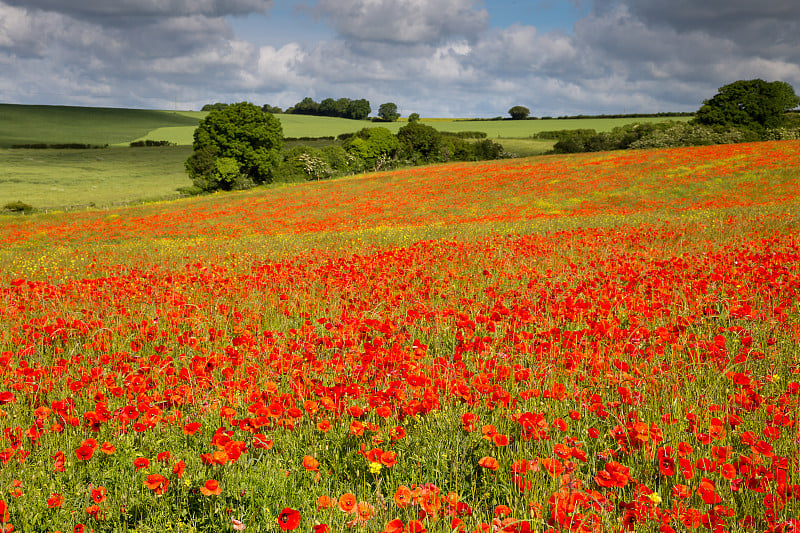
428, 56
403, 21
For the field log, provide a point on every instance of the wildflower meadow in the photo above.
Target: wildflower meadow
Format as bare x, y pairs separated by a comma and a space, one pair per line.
598, 342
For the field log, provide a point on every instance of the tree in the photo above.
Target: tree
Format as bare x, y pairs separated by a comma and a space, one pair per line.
751, 104
420, 142
519, 112
236, 145
358, 109
413, 117
388, 112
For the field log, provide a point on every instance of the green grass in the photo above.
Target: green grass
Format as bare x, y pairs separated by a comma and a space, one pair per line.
27, 124
70, 178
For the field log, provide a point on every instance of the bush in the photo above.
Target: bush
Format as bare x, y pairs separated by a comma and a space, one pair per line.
190, 190
18, 207
149, 143
419, 143
376, 147
677, 134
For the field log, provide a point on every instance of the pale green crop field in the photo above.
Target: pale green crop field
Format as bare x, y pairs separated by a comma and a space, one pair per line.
70, 179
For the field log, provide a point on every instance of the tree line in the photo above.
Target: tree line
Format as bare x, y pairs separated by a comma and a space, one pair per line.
239, 146
341, 108
742, 111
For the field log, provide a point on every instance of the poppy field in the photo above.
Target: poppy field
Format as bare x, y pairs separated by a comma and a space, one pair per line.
599, 342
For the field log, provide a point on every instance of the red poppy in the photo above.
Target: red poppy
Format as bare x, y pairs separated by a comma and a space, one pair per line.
141, 462
191, 428
347, 502
99, 494
310, 464
108, 448
708, 492
84, 453
394, 526
211, 487
289, 519
157, 483
415, 526
667, 466
179, 468
489, 462
55, 500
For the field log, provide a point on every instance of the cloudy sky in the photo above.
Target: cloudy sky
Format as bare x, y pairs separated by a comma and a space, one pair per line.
447, 58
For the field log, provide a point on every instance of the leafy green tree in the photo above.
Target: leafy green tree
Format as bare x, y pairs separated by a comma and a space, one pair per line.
519, 112
307, 106
420, 142
235, 145
358, 109
753, 104
388, 112
212, 107
413, 117
327, 108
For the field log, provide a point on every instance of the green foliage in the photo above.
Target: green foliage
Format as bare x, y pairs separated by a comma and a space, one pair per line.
420, 143
18, 207
341, 108
302, 163
751, 104
457, 149
241, 132
218, 106
519, 112
413, 117
275, 110
359, 109
645, 135
678, 134
388, 112
338, 159
375, 147
150, 143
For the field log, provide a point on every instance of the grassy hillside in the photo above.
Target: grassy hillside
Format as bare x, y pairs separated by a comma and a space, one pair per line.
27, 124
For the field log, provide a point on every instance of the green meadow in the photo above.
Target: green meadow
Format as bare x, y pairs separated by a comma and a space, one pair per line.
70, 179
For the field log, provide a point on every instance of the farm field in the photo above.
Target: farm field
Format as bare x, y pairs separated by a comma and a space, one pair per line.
597, 342
31, 124
69, 179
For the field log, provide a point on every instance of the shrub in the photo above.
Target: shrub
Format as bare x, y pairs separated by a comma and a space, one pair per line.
149, 143
18, 207
419, 143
